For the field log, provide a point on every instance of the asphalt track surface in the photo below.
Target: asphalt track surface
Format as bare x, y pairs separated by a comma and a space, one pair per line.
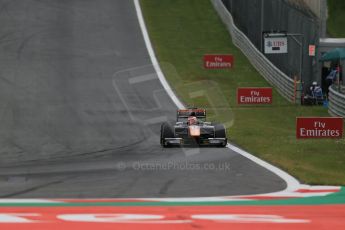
81, 107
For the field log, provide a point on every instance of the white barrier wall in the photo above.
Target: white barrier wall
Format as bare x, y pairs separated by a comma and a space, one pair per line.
336, 102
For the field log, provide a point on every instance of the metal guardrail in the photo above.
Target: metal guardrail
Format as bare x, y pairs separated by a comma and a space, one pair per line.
336, 106
283, 83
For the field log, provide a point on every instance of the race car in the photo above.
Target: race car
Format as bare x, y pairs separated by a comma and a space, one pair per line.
192, 129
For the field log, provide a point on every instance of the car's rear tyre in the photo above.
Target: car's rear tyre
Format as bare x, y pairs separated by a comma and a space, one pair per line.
220, 132
166, 132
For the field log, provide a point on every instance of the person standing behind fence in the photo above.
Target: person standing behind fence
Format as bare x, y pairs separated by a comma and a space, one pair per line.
340, 73
331, 78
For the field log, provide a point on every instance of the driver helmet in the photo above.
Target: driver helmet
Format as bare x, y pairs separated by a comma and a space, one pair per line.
192, 120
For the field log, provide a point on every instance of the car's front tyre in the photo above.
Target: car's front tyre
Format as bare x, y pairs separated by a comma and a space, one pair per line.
166, 132
220, 132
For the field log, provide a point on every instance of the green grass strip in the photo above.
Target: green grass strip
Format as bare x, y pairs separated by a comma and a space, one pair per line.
336, 198
336, 19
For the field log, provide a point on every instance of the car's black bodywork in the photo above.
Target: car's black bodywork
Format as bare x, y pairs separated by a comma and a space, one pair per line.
201, 133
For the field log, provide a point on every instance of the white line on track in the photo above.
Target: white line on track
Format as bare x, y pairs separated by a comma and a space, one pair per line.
153, 58
28, 201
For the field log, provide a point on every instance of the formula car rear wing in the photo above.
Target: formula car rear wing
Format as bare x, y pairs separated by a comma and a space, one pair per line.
185, 113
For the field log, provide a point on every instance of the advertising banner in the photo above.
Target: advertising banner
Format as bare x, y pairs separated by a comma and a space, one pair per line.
319, 127
275, 44
218, 61
254, 96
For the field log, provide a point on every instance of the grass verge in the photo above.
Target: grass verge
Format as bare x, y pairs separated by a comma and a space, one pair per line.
182, 31
336, 19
